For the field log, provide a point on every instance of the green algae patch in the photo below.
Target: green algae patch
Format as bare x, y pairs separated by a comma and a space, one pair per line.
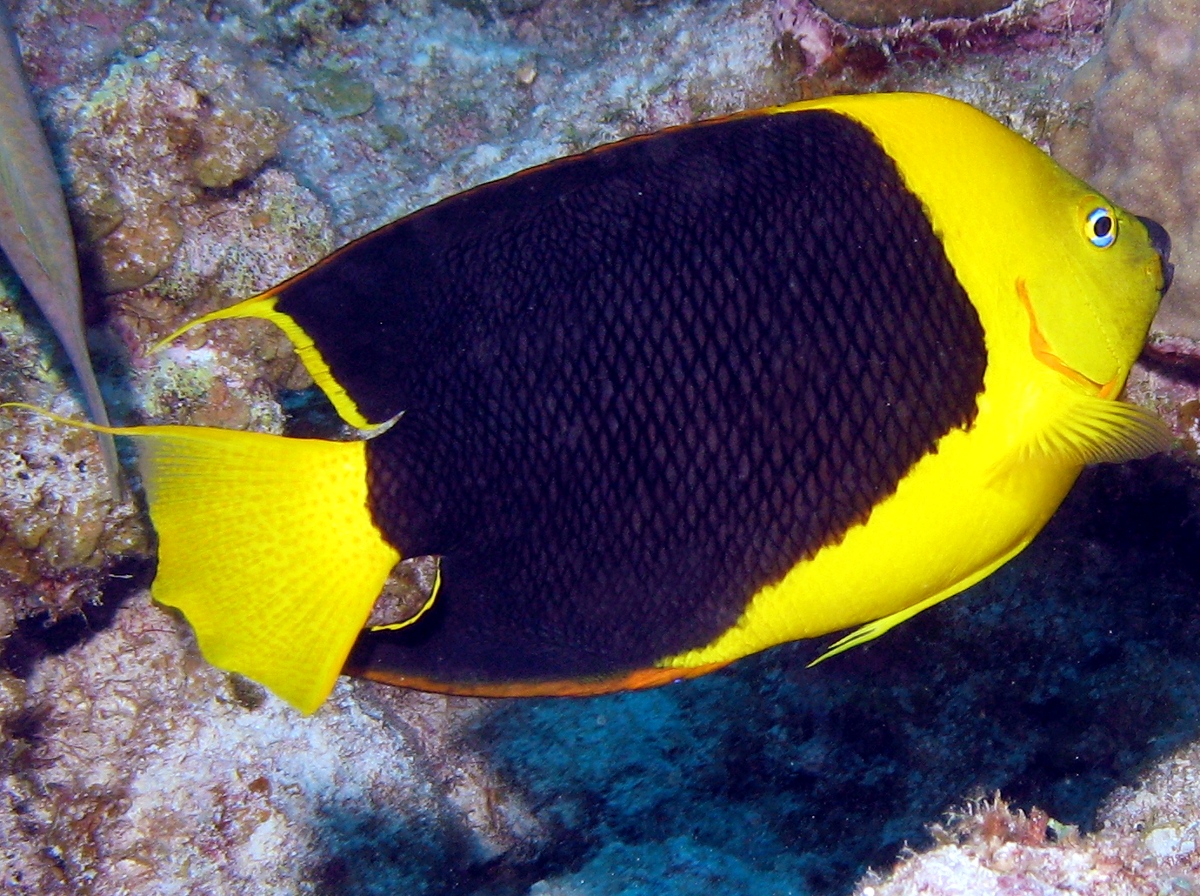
336, 94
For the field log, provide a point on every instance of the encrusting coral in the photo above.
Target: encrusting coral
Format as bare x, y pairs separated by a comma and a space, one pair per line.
146, 143
1137, 131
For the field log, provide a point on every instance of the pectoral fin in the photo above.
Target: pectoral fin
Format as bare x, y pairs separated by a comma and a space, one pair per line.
1094, 430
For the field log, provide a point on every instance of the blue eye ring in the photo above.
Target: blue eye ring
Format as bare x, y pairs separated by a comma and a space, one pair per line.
1101, 227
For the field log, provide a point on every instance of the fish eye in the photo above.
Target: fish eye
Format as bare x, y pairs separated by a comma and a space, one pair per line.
1101, 227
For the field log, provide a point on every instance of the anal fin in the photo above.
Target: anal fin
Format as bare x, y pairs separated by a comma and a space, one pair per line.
872, 630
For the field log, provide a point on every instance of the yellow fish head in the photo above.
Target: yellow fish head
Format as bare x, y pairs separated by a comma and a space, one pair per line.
1091, 300
1051, 265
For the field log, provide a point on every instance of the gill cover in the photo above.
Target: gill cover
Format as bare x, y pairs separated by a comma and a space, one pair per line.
1090, 314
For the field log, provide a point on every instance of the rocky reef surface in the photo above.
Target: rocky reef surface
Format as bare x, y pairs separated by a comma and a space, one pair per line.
211, 149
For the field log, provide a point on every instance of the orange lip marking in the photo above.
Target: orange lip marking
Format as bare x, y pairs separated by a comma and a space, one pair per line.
1042, 351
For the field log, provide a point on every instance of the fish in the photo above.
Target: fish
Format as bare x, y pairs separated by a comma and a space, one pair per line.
36, 236
670, 402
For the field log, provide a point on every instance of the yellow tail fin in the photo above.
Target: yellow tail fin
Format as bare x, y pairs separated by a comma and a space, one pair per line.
267, 546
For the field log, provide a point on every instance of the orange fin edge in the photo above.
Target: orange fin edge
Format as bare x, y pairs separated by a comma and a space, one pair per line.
637, 680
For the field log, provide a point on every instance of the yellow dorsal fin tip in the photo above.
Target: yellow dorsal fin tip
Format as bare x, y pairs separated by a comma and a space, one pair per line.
261, 306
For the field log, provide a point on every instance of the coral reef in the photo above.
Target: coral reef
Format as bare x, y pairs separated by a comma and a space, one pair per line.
337, 94
880, 13
64, 40
467, 98
146, 144
1146, 845
212, 149
149, 158
295, 22
989, 849
144, 770
60, 530
1135, 132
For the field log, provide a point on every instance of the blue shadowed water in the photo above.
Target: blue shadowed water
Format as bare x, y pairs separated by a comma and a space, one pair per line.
1053, 682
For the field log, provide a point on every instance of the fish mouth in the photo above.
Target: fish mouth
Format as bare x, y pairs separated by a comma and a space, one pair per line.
1161, 241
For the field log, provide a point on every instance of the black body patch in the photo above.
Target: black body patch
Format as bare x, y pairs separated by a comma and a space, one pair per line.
639, 385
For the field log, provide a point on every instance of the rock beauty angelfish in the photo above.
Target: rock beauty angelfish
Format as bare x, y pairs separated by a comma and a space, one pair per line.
670, 402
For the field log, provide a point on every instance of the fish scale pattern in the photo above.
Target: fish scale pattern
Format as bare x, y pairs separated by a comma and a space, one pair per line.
641, 384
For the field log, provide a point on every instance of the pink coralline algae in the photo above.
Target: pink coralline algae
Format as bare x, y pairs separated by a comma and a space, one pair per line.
924, 30
85, 36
